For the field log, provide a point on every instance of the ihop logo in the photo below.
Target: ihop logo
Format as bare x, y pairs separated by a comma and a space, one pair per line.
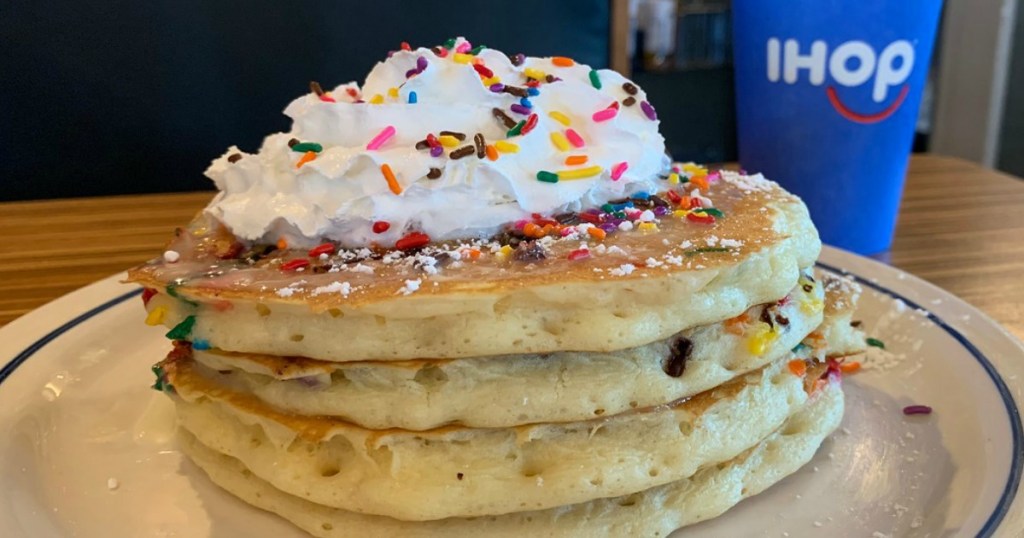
852, 64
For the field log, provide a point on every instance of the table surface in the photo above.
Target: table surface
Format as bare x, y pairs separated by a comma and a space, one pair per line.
960, 227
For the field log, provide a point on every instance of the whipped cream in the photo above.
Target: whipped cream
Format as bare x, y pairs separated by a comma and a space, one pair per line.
342, 192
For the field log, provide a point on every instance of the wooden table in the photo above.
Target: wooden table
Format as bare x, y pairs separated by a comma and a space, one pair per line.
961, 227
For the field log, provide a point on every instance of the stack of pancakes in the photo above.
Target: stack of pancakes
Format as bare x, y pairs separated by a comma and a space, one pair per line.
655, 383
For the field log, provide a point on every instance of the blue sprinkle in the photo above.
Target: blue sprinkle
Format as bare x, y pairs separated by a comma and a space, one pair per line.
533, 91
642, 196
200, 345
412, 98
526, 102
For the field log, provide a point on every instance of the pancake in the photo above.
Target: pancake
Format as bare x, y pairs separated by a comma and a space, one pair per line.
506, 391
654, 512
634, 287
414, 475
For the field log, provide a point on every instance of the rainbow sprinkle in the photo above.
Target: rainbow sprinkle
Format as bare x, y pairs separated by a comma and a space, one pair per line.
574, 138
559, 117
605, 114
389, 176
381, 138
579, 173
618, 170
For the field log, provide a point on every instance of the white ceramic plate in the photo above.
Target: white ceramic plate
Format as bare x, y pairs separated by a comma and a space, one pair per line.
87, 447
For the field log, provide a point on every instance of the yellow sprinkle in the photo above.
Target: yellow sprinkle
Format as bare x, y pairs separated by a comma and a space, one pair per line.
156, 316
694, 169
505, 251
448, 141
812, 306
559, 117
647, 227
263, 309
673, 178
681, 213
491, 81
559, 140
461, 58
393, 93
580, 173
534, 73
762, 338
377, 99
506, 147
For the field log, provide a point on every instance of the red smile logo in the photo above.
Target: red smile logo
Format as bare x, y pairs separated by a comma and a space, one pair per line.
846, 112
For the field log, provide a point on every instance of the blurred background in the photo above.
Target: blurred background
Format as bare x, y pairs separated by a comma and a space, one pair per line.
129, 97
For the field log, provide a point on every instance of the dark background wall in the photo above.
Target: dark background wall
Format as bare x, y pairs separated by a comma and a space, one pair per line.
1011, 144
139, 96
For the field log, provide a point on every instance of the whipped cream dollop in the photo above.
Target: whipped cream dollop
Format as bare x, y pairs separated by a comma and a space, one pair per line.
334, 183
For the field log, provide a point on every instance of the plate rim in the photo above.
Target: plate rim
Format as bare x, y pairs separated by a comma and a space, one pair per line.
1011, 490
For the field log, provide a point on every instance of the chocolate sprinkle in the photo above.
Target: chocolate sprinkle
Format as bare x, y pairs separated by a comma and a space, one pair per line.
529, 251
679, 353
658, 201
629, 87
516, 91
234, 157
629, 101
464, 151
292, 142
568, 219
503, 117
808, 288
856, 323
550, 78
314, 87
517, 59
434, 173
510, 237
459, 476
478, 141
458, 136
422, 144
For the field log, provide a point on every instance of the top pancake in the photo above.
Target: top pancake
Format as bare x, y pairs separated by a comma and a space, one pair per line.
471, 299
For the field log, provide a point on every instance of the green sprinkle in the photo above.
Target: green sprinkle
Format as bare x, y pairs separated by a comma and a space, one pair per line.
874, 342
712, 211
182, 330
595, 80
161, 383
303, 147
449, 43
607, 208
515, 130
705, 249
172, 290
547, 177
476, 50
619, 214
799, 347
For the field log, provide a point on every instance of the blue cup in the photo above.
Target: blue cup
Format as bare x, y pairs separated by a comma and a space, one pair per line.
827, 96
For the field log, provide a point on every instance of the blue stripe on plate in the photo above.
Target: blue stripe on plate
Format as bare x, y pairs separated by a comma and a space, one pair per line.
1013, 414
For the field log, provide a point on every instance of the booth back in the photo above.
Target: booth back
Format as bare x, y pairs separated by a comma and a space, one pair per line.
128, 97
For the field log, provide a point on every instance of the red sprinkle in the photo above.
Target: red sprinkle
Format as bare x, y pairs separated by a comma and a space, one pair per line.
579, 254
412, 240
295, 265
405, 45
147, 294
352, 92
432, 141
674, 196
615, 105
326, 248
590, 217
483, 71
917, 410
532, 83
381, 226
327, 98
531, 122
702, 218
